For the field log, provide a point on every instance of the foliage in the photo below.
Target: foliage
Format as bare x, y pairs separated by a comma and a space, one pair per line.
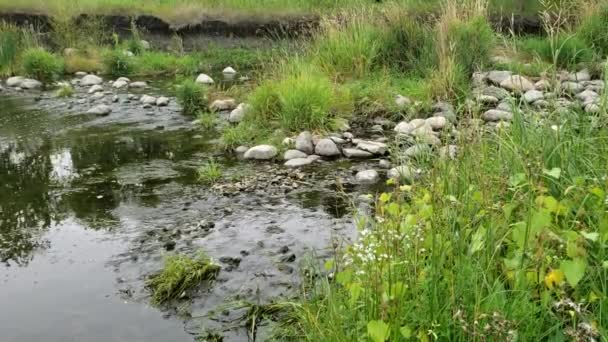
65, 90
505, 243
13, 41
72, 32
41, 65
593, 31
210, 172
471, 42
245, 133
566, 51
87, 60
179, 275
192, 96
118, 63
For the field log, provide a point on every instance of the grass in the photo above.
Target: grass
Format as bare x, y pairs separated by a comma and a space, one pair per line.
180, 275
192, 97
65, 90
41, 65
507, 242
210, 173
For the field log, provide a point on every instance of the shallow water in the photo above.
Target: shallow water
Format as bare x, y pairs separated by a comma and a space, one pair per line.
87, 206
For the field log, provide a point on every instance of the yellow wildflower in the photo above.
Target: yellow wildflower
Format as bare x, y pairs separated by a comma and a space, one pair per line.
554, 278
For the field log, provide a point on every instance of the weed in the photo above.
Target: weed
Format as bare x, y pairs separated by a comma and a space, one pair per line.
192, 96
207, 120
41, 65
65, 90
179, 275
88, 60
210, 173
118, 63
245, 133
567, 52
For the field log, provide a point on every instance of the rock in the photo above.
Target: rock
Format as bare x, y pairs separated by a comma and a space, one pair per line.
377, 129
417, 151
541, 104
372, 147
162, 101
355, 153
15, 81
148, 100
385, 164
304, 142
293, 154
147, 106
144, 44
241, 149
288, 142
402, 102
497, 115
325, 148
90, 80
367, 177
436, 123
505, 107
29, 83
338, 140
404, 127
98, 95
448, 152
348, 136
100, 110
94, 89
261, 152
580, 76
237, 114
486, 99
497, 77
222, 105
118, 84
592, 108
542, 85
517, 84
299, 162
587, 96
479, 78
495, 92
533, 96
169, 245
229, 70
115, 98
138, 85
402, 173
572, 87
313, 157
204, 79
80, 74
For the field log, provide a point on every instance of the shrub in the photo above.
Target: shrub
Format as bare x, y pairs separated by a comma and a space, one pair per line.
593, 31
566, 50
41, 65
180, 274
192, 96
305, 99
118, 63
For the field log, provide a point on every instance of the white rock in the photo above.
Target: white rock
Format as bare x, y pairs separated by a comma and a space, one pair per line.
437, 123
90, 80
418, 150
487, 99
204, 79
261, 152
355, 153
15, 81
573, 87
100, 110
505, 107
80, 73
29, 83
517, 84
497, 115
367, 177
162, 101
304, 142
120, 84
402, 102
241, 149
403, 172
293, 154
587, 95
533, 96
326, 148
222, 105
98, 95
139, 84
229, 70
592, 108
299, 162
144, 44
373, 147
238, 114
148, 100
580, 76
94, 89
542, 85
497, 77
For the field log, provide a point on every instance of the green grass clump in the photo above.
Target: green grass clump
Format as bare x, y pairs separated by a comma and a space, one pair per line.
507, 242
244, 134
472, 42
303, 99
210, 173
65, 90
192, 96
565, 51
179, 275
118, 63
41, 65
593, 31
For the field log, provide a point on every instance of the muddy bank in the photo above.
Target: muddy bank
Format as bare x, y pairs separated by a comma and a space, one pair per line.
207, 25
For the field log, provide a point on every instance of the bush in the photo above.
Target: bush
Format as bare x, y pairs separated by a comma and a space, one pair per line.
593, 30
472, 42
192, 96
305, 99
118, 63
41, 65
567, 50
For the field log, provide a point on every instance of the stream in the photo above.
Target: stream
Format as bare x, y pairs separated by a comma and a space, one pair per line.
89, 208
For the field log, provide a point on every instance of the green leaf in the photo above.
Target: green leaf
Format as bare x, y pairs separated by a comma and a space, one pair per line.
555, 172
355, 291
329, 265
591, 236
378, 331
574, 270
517, 179
478, 240
406, 332
385, 197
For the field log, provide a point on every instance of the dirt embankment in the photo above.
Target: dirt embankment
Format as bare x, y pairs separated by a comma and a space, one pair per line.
279, 27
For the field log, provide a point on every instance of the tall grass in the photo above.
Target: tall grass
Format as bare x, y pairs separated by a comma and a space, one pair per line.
13, 41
